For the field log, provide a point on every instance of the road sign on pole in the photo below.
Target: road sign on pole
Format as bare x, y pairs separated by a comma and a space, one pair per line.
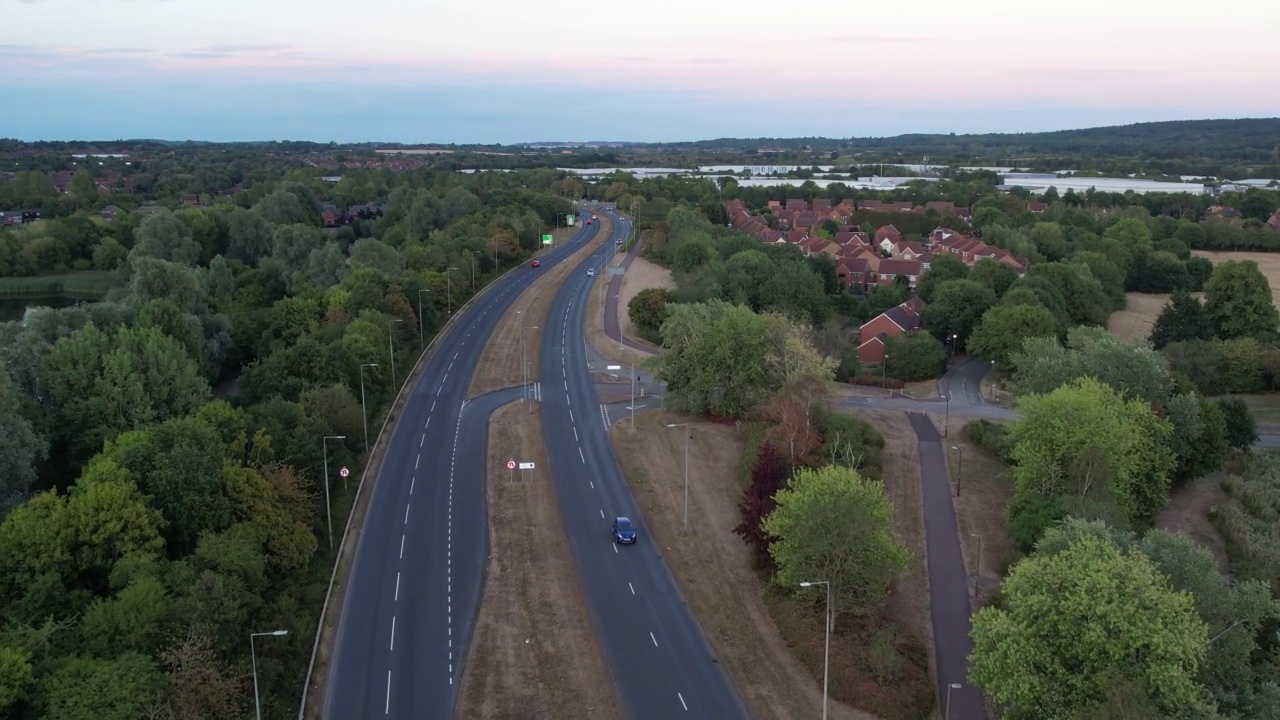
546, 239
526, 466
616, 271
344, 472
511, 464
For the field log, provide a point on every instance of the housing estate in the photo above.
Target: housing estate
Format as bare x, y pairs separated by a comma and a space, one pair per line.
864, 262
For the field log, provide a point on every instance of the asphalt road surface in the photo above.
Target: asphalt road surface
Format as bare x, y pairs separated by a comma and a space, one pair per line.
661, 661
612, 328
414, 590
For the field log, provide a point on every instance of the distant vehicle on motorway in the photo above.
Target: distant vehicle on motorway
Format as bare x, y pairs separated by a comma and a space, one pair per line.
595, 217
588, 222
535, 263
591, 272
624, 533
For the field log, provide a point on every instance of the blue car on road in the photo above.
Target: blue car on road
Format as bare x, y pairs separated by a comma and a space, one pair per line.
624, 532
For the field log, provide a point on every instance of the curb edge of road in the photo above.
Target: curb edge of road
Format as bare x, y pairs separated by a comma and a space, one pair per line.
410, 380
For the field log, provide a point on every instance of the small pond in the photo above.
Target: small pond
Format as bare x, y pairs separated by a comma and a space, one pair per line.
14, 308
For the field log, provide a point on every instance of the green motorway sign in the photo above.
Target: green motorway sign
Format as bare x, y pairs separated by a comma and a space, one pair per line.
546, 239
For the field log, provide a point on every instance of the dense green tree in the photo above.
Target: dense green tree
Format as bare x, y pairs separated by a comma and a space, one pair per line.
1241, 426
1085, 299
914, 356
1183, 318
106, 384
1075, 619
648, 309
1132, 368
164, 237
1106, 272
1004, 328
1084, 442
120, 688
995, 275
1238, 300
20, 449
724, 359
832, 523
944, 267
957, 308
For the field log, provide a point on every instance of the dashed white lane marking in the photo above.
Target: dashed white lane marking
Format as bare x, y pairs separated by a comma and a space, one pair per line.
575, 434
633, 588
654, 639
686, 707
453, 463
433, 405
615, 548
406, 513
397, 597
424, 427
593, 485
416, 461
570, 414
412, 481
401, 546
422, 440
387, 710
584, 457
602, 513
393, 633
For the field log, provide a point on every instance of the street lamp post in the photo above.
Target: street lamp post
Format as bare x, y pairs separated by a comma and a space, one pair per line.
959, 466
448, 279
364, 413
946, 419
328, 509
253, 654
524, 359
826, 652
474, 253
391, 336
633, 397
884, 372
977, 563
946, 714
686, 469
422, 338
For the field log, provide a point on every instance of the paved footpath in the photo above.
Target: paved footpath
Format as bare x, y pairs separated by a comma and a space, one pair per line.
948, 580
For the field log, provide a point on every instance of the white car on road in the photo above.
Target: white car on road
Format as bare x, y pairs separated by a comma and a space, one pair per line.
591, 272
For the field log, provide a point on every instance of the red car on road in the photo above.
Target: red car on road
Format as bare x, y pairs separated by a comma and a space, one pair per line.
535, 263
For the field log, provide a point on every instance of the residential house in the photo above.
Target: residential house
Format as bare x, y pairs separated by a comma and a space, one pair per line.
1037, 207
110, 212
887, 236
191, 200
970, 250
890, 269
1223, 211
895, 321
331, 216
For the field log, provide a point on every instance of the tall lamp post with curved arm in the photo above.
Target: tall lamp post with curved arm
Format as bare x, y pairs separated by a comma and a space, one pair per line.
826, 652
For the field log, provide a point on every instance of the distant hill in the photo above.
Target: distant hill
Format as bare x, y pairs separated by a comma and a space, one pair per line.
1250, 140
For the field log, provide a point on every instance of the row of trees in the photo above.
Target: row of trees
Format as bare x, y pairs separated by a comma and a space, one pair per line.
153, 522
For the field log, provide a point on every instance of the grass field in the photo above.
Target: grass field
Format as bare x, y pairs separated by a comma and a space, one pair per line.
87, 285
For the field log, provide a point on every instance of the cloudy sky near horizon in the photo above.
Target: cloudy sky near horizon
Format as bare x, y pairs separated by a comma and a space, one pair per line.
509, 72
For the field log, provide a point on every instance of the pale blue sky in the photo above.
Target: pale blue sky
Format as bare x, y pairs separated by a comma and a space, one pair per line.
495, 71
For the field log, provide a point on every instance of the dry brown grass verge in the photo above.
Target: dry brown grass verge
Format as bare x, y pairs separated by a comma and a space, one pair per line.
713, 565
535, 653
499, 365
610, 349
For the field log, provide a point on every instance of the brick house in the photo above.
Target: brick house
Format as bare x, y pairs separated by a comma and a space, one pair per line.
890, 323
887, 236
1274, 221
890, 269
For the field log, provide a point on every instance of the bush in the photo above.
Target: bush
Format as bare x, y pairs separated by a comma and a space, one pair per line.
849, 441
990, 437
1247, 519
877, 381
1030, 515
915, 356
769, 474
